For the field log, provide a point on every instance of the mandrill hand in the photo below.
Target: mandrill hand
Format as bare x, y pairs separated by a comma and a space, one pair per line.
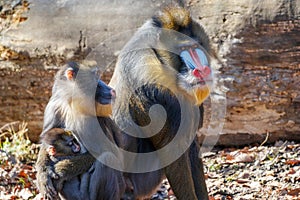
45, 175
45, 184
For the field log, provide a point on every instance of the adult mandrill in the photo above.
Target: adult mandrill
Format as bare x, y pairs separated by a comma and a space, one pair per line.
81, 103
166, 63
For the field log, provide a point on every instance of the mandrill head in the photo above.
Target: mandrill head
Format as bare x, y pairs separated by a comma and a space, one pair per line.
78, 90
184, 46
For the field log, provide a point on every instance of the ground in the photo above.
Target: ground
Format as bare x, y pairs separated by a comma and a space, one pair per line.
251, 172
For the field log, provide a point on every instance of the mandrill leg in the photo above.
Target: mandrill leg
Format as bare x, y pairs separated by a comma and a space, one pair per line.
180, 178
197, 172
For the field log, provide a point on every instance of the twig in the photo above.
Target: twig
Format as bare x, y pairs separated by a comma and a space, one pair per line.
266, 139
4, 134
8, 126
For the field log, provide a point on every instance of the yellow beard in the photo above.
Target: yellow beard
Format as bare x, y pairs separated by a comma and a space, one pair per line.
99, 110
103, 110
200, 94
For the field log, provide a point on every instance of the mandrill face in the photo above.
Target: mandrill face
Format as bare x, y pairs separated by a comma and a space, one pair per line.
182, 52
194, 74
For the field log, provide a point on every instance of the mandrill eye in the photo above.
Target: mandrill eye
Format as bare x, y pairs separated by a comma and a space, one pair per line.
70, 143
183, 70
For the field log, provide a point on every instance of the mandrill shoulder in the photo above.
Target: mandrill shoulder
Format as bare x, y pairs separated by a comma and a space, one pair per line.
150, 94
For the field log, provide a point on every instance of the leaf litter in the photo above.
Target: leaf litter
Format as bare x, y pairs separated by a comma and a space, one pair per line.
252, 172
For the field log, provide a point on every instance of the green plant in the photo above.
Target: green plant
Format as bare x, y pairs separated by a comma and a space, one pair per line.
16, 143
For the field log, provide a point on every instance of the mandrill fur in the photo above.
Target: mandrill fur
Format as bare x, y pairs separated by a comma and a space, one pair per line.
167, 62
80, 102
59, 149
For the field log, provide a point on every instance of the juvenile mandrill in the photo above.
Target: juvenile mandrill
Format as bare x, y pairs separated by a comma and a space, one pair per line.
60, 149
167, 63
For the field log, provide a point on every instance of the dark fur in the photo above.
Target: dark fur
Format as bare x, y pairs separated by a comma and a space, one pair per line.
137, 90
57, 138
139, 86
95, 183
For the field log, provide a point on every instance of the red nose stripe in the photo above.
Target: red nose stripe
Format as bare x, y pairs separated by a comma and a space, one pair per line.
196, 59
197, 73
206, 71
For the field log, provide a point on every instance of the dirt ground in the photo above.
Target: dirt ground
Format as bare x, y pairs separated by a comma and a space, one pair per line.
250, 172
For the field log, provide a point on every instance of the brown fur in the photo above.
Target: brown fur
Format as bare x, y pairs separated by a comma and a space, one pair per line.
146, 76
174, 17
61, 163
71, 107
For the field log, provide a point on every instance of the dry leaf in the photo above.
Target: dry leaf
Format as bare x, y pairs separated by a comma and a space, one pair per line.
292, 171
211, 198
244, 158
245, 150
23, 174
229, 157
294, 192
292, 162
241, 181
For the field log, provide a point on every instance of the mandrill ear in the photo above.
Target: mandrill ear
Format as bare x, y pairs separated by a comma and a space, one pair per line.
51, 150
70, 74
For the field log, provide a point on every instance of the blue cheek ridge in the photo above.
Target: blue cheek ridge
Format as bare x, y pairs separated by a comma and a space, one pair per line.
104, 101
103, 93
187, 59
202, 57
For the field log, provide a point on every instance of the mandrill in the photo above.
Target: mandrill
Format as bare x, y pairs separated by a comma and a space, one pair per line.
82, 103
60, 146
166, 63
